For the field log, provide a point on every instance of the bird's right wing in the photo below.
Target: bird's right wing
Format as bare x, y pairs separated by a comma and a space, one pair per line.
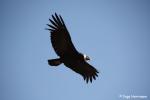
86, 70
60, 38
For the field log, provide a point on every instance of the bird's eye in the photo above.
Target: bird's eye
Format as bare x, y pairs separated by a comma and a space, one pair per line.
86, 57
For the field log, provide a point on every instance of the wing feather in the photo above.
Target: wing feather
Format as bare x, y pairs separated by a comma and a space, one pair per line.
54, 23
53, 27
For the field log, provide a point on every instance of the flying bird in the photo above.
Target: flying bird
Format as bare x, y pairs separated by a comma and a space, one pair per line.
68, 54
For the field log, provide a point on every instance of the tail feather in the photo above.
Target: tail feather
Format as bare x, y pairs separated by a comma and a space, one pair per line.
54, 62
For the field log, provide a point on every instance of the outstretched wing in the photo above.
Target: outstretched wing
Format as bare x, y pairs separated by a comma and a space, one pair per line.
60, 38
86, 70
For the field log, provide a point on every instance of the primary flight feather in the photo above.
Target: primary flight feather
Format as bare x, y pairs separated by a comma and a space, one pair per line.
64, 48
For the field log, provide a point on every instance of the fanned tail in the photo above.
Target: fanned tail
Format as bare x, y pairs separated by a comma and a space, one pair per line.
54, 62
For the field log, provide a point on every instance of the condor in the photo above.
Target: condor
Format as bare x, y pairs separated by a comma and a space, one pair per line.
64, 48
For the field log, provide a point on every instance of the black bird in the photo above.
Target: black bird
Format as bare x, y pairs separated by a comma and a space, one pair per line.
68, 55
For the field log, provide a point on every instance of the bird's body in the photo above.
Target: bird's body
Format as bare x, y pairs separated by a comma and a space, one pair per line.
68, 55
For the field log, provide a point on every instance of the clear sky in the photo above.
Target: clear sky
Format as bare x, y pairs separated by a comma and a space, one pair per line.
115, 34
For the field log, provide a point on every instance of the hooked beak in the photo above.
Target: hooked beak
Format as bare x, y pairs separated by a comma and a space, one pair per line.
87, 58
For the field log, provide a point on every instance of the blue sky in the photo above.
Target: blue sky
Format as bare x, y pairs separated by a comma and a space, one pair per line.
114, 33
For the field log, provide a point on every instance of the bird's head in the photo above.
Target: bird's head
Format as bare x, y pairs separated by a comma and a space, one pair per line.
86, 58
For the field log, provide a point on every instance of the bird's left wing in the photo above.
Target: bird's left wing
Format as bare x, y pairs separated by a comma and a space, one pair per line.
60, 37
